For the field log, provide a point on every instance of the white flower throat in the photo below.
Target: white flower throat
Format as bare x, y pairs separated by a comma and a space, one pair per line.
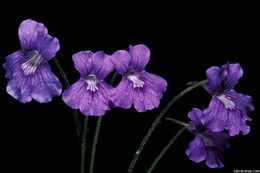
92, 83
134, 77
229, 104
32, 60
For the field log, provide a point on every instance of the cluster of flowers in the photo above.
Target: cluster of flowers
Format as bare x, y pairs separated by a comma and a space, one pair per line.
31, 78
227, 110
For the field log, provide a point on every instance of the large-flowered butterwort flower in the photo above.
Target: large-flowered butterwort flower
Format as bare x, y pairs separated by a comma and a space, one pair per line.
207, 144
227, 109
28, 69
90, 94
137, 87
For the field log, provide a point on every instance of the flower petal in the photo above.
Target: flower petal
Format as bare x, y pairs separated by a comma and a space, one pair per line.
122, 61
29, 32
41, 86
235, 72
13, 61
34, 36
196, 151
45, 84
213, 159
102, 64
140, 56
71, 96
216, 77
96, 103
195, 116
83, 62
122, 95
148, 96
47, 46
215, 116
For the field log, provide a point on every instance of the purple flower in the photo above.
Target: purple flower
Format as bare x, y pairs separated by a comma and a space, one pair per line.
207, 144
137, 87
90, 94
28, 69
227, 109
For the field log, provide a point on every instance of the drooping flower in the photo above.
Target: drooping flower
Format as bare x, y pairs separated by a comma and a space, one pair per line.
227, 109
90, 94
28, 69
207, 144
137, 87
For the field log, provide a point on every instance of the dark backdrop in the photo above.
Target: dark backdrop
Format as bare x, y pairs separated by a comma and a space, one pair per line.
183, 43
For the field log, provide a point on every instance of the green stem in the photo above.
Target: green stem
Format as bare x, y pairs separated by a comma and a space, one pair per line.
157, 120
74, 112
165, 149
83, 145
94, 144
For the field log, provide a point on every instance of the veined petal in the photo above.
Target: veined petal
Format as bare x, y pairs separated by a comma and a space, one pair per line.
195, 116
96, 103
196, 151
235, 72
215, 116
13, 61
41, 86
83, 62
73, 94
140, 56
148, 96
102, 64
122, 61
213, 159
29, 33
122, 95
34, 36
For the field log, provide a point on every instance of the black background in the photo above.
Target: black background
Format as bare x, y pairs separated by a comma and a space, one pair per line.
184, 42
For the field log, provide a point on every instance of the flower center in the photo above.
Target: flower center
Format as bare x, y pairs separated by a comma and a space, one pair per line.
32, 60
92, 83
229, 104
134, 77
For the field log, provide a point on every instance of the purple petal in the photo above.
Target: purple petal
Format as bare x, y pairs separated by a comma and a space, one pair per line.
73, 94
213, 159
148, 96
41, 86
29, 32
13, 61
90, 103
122, 95
242, 102
83, 62
102, 64
140, 56
195, 115
96, 103
235, 72
196, 151
34, 36
216, 76
47, 46
235, 123
157, 83
215, 116
122, 61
